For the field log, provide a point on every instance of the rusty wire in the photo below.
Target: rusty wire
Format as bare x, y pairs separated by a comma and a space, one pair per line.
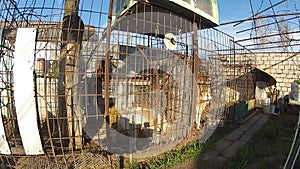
268, 35
115, 81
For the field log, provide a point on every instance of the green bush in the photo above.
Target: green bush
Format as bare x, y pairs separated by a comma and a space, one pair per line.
297, 81
242, 159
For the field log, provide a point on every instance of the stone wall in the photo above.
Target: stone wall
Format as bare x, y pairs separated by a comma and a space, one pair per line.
285, 67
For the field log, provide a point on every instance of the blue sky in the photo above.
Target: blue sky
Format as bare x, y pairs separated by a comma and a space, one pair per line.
230, 10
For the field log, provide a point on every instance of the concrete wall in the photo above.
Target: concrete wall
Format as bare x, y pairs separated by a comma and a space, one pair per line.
285, 67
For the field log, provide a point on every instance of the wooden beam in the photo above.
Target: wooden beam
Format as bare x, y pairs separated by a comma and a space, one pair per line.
72, 33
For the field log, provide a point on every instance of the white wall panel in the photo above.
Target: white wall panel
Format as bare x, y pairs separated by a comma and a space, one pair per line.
24, 91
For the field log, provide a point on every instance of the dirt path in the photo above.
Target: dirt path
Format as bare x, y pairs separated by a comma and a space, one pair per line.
226, 148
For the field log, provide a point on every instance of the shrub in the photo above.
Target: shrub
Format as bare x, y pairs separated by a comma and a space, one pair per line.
297, 81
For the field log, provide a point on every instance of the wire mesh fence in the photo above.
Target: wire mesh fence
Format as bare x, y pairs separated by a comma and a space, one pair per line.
135, 83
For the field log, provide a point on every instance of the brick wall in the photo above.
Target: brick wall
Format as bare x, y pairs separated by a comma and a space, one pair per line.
285, 67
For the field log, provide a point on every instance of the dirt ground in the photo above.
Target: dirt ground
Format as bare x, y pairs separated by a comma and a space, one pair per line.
287, 121
270, 157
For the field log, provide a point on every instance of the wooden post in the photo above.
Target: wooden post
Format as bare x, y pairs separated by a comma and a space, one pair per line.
72, 32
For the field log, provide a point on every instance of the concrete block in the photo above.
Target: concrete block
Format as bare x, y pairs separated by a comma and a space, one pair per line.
274, 67
290, 62
245, 138
233, 148
255, 128
222, 145
285, 71
279, 71
260, 62
277, 58
284, 89
287, 80
283, 75
289, 75
281, 66
272, 70
287, 67
235, 135
272, 62
280, 82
